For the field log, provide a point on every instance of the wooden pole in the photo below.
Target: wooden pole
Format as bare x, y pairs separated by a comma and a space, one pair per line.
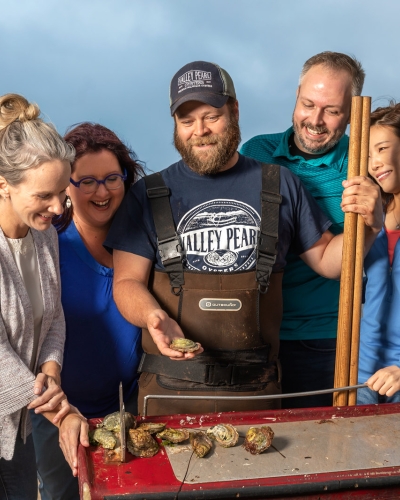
358, 271
342, 363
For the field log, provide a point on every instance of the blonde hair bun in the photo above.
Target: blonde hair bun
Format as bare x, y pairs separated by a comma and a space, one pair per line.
15, 107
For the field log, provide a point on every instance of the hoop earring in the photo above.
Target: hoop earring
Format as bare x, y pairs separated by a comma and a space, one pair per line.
68, 202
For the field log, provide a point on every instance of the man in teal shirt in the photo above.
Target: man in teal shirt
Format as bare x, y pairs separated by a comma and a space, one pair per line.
315, 149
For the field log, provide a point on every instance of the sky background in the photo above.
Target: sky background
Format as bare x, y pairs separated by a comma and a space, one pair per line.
111, 61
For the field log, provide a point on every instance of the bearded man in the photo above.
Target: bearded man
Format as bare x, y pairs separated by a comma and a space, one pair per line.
315, 149
199, 252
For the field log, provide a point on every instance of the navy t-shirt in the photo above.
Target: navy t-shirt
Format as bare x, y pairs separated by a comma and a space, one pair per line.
218, 218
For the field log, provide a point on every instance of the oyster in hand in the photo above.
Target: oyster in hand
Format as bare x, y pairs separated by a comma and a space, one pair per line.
184, 345
103, 437
174, 435
225, 435
151, 427
111, 421
141, 443
258, 439
201, 443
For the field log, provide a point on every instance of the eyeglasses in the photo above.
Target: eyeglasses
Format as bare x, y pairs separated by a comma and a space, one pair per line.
90, 184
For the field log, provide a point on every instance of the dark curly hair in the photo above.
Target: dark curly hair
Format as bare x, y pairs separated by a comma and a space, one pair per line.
388, 116
89, 137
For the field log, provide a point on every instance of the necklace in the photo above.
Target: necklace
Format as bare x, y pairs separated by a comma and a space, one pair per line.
397, 224
394, 215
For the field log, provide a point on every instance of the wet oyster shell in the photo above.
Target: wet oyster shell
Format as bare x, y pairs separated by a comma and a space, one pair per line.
111, 421
201, 443
225, 435
114, 455
141, 443
184, 345
152, 427
174, 435
103, 437
258, 439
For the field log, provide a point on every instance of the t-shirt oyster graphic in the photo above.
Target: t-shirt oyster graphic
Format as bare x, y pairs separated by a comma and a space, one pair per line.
220, 236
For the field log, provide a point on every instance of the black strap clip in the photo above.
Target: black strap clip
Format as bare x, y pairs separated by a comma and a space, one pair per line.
267, 244
170, 249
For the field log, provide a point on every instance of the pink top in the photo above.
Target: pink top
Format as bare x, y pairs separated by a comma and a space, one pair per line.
392, 236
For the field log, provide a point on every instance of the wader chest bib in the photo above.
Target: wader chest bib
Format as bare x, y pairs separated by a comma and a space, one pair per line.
235, 316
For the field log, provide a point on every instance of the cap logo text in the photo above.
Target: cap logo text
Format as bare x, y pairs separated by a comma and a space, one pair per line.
194, 78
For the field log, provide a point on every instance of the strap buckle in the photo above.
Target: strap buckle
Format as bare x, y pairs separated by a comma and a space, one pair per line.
170, 249
267, 245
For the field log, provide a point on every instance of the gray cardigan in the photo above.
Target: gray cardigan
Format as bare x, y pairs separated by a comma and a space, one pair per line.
16, 334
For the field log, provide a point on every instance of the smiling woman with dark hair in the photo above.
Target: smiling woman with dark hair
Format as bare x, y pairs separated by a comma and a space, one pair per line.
101, 347
379, 362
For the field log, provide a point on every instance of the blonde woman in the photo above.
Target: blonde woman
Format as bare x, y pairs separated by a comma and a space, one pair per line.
34, 174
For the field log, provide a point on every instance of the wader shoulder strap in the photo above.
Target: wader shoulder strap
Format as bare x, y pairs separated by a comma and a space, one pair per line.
268, 240
168, 240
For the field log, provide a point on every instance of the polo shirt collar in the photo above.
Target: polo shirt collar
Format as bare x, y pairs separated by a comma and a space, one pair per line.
334, 158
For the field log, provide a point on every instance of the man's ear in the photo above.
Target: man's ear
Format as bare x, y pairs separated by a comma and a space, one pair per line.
4, 192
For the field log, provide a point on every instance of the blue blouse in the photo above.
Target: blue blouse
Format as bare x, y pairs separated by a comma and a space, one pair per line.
101, 348
380, 324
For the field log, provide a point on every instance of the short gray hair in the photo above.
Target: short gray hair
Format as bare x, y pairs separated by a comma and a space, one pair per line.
337, 61
26, 141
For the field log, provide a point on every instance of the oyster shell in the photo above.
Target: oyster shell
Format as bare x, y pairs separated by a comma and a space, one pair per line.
114, 455
184, 345
103, 437
152, 427
225, 435
141, 443
174, 435
111, 421
258, 439
201, 443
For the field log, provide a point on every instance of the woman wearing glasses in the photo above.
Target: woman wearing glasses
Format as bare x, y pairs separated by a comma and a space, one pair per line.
101, 347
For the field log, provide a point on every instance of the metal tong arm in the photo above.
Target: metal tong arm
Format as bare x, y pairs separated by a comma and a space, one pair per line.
250, 398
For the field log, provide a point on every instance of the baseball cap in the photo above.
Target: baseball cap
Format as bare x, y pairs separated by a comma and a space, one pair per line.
201, 81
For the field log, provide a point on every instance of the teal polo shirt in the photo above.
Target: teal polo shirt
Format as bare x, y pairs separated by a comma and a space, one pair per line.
310, 302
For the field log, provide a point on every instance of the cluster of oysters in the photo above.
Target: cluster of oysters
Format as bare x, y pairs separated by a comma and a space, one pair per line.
141, 443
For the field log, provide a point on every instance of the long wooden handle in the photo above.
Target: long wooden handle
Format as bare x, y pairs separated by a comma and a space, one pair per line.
345, 318
358, 270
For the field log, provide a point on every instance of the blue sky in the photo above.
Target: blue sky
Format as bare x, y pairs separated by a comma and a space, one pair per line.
111, 62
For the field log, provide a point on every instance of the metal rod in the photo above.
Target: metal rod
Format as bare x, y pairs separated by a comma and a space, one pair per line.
233, 398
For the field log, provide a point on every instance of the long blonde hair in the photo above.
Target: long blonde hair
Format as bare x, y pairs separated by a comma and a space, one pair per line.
26, 141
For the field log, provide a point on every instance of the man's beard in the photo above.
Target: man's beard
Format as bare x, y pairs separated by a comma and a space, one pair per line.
214, 159
316, 148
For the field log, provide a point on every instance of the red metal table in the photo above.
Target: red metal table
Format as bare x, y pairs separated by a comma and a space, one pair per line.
327, 453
